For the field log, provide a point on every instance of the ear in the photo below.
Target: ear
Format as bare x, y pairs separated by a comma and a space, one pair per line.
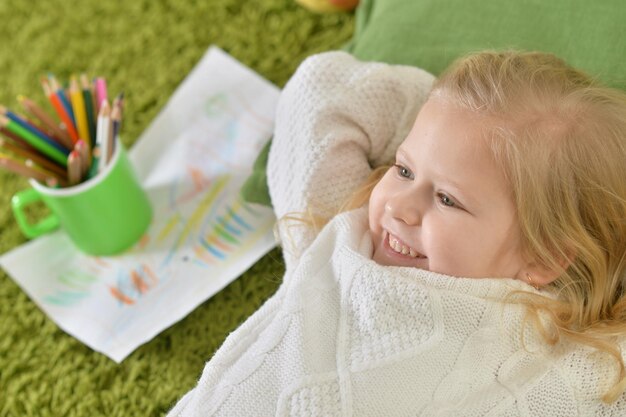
540, 275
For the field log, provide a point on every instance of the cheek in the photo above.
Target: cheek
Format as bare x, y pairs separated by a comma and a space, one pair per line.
451, 245
375, 208
379, 196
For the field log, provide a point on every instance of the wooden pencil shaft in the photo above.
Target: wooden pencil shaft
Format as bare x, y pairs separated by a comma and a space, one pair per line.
85, 156
35, 157
24, 170
47, 173
73, 168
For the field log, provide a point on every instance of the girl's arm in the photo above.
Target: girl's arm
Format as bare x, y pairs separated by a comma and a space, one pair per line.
337, 118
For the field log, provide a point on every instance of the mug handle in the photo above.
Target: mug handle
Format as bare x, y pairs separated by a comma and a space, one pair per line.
19, 202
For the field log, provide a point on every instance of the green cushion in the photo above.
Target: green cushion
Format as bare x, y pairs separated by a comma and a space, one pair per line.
430, 34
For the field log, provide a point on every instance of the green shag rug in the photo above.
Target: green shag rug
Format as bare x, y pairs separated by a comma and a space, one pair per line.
145, 48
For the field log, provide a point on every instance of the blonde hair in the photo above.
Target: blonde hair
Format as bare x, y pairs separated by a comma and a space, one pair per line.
560, 140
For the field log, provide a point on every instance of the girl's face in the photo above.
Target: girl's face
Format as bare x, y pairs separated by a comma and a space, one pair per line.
444, 206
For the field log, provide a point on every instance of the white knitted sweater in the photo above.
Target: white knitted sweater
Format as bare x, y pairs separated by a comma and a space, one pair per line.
345, 336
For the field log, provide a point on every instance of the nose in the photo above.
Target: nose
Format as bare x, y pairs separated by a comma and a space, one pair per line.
404, 208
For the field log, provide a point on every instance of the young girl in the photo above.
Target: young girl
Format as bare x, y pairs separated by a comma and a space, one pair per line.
483, 274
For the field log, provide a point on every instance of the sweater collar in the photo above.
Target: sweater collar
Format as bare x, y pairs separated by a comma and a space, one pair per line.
353, 235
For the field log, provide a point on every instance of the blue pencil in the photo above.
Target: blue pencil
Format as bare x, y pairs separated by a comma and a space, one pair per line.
17, 119
58, 90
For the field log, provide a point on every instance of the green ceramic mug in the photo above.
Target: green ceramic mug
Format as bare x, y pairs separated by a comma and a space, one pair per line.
103, 216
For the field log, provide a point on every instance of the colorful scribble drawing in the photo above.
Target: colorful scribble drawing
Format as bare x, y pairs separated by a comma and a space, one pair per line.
131, 285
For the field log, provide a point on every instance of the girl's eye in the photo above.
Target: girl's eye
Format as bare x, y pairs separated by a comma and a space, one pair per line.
403, 171
445, 200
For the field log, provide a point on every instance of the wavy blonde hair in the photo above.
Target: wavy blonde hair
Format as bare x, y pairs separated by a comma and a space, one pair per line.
560, 141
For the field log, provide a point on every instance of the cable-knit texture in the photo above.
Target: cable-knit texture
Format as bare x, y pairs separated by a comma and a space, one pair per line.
345, 336
337, 119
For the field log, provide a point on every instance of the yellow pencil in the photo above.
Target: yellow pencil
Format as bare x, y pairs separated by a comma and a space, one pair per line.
80, 113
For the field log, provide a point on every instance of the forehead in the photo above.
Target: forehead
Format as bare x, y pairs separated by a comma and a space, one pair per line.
453, 143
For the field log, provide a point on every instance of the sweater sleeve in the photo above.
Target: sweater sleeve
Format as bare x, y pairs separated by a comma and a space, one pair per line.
337, 119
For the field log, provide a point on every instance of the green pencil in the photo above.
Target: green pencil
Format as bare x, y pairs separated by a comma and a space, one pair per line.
91, 114
33, 140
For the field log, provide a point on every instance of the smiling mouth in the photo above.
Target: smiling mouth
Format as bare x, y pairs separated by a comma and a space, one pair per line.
399, 247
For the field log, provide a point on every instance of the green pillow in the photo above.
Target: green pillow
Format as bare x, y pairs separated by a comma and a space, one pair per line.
430, 34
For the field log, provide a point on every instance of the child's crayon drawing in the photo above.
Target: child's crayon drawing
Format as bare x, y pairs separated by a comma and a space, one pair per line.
192, 161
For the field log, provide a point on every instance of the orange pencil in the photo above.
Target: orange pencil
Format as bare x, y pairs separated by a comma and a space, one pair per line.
60, 110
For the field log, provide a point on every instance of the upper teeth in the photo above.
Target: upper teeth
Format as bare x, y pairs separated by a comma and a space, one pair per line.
401, 248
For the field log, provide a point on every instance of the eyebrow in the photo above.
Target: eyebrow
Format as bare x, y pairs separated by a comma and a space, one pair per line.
457, 188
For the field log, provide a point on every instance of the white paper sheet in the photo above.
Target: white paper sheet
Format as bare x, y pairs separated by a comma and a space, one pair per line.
192, 160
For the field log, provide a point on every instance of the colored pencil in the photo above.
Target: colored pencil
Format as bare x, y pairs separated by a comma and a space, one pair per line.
32, 129
34, 156
95, 162
21, 168
50, 175
73, 168
89, 108
85, 156
80, 113
34, 140
60, 110
116, 123
32, 108
60, 93
16, 139
119, 103
101, 92
103, 133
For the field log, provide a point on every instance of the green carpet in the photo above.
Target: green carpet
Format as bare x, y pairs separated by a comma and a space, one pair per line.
145, 48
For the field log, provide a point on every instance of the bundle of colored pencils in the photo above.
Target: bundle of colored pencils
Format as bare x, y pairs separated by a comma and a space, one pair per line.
70, 148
